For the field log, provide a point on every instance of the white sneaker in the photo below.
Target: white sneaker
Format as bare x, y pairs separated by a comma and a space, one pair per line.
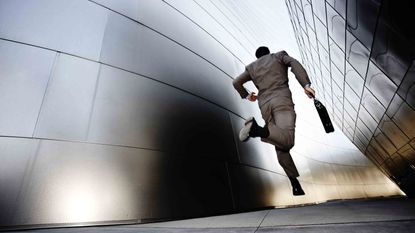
244, 133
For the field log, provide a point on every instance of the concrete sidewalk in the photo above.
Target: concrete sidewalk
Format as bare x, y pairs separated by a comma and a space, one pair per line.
375, 215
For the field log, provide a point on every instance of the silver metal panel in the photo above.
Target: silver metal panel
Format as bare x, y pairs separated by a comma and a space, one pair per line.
351, 96
301, 162
392, 53
68, 101
406, 88
342, 156
300, 18
311, 149
361, 139
361, 19
339, 5
126, 7
188, 34
394, 105
376, 157
173, 120
351, 191
202, 18
242, 13
322, 173
373, 190
326, 192
24, 74
321, 32
326, 76
407, 152
347, 175
379, 84
364, 129
382, 154
387, 126
312, 37
384, 141
308, 12
354, 80
16, 159
336, 26
74, 183
135, 48
337, 56
319, 10
372, 105
121, 44
348, 124
404, 119
356, 53
368, 119
75, 27
230, 15
350, 109
338, 80
248, 184
315, 69
78, 183
324, 57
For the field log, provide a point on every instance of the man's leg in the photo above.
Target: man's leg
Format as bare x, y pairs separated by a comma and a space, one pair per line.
252, 129
282, 131
279, 131
287, 163
281, 127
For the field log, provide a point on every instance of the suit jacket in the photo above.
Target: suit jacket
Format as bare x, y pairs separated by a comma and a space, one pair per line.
270, 75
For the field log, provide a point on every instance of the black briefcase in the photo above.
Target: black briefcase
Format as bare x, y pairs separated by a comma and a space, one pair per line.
324, 116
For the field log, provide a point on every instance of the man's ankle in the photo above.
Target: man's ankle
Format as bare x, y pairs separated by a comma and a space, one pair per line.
294, 181
258, 131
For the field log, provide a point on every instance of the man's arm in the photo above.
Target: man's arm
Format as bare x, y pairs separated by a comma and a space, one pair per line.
238, 84
299, 72
296, 68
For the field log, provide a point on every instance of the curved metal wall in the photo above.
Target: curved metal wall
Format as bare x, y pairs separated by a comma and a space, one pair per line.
124, 112
362, 55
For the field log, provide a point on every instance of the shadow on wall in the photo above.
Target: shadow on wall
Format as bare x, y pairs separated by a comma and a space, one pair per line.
199, 143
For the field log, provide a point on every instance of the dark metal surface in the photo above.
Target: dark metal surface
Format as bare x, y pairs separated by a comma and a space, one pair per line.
375, 109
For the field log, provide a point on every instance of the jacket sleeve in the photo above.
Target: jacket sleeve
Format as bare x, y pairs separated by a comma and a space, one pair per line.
296, 68
238, 84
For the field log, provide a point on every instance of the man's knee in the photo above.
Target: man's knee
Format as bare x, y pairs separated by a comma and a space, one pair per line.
288, 147
288, 144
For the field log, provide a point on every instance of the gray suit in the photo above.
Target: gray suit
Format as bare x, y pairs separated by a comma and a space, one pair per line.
270, 75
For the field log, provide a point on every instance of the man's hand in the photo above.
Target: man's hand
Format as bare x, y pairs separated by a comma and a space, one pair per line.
309, 92
251, 97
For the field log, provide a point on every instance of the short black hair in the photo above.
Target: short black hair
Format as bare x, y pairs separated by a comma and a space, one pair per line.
261, 51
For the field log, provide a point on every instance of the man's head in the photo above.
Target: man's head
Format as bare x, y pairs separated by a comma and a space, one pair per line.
261, 51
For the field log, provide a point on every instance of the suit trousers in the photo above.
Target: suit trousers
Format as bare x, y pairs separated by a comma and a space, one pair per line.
280, 116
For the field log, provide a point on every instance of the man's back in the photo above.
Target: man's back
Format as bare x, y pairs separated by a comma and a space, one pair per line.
269, 74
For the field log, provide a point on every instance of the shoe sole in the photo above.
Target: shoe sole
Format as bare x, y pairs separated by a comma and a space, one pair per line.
244, 133
299, 193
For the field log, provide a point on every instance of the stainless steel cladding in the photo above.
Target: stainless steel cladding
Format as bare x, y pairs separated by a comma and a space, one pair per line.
124, 112
364, 64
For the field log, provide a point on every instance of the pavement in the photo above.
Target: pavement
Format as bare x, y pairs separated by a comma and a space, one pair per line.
368, 215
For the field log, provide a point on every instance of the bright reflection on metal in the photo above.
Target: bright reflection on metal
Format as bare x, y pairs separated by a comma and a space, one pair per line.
79, 204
